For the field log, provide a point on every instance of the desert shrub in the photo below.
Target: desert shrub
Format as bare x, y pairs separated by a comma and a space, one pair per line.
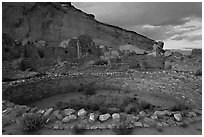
101, 62
87, 89
198, 72
128, 104
134, 66
132, 108
32, 122
103, 110
145, 106
184, 125
77, 131
159, 129
123, 129
61, 105
92, 107
132, 105
180, 107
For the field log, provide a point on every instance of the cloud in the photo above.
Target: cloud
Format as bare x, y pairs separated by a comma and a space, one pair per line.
172, 44
191, 31
179, 37
126, 14
187, 37
167, 21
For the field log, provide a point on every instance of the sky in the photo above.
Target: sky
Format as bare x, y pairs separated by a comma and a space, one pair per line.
178, 24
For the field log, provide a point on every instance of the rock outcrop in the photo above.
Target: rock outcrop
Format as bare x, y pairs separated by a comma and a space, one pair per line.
55, 22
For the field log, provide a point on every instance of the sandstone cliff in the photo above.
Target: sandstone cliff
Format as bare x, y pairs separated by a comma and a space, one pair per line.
53, 23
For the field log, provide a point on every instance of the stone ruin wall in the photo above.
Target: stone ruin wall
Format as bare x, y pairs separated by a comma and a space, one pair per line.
52, 23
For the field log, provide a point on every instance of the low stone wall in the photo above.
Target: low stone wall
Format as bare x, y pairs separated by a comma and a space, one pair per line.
29, 92
69, 118
144, 61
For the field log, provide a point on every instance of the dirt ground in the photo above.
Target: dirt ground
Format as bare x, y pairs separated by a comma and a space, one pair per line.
161, 88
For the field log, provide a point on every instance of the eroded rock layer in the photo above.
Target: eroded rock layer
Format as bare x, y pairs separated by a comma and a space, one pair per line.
54, 23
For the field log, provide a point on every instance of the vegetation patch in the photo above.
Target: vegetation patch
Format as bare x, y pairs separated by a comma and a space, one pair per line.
78, 131
32, 121
123, 129
179, 106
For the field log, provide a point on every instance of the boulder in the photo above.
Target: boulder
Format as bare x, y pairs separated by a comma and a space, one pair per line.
179, 123
132, 118
41, 111
178, 117
159, 113
82, 112
91, 15
93, 117
69, 118
168, 53
68, 111
191, 114
142, 113
149, 121
104, 117
58, 115
137, 124
152, 54
170, 121
164, 124
64, 43
159, 125
167, 112
47, 112
154, 117
146, 125
116, 117
56, 127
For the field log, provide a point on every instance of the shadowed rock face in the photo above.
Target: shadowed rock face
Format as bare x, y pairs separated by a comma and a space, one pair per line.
54, 23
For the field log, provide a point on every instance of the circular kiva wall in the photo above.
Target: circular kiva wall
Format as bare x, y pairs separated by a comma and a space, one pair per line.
30, 91
25, 93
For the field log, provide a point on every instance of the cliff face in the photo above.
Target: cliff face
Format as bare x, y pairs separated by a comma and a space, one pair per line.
54, 23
